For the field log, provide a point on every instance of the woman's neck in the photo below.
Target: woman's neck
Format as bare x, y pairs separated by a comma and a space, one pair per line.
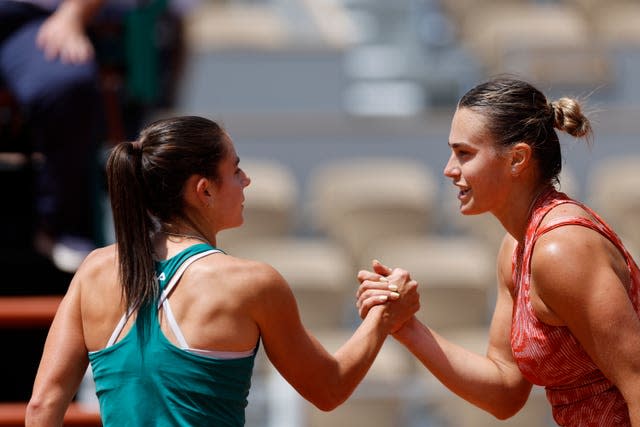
169, 241
179, 232
179, 237
519, 210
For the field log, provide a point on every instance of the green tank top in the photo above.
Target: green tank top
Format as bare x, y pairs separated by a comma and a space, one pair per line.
145, 380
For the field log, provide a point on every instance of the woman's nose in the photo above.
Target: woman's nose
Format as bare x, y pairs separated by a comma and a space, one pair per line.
451, 169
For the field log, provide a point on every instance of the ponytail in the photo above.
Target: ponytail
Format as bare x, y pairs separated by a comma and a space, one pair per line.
132, 223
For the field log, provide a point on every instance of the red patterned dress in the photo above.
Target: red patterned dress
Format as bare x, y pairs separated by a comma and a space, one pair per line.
551, 356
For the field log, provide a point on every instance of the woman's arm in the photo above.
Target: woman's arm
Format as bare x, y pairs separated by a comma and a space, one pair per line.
324, 379
62, 366
492, 382
582, 282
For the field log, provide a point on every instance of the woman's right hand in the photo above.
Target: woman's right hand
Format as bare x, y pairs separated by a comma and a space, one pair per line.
391, 287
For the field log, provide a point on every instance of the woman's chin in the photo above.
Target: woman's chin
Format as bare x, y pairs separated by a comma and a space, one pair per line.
469, 210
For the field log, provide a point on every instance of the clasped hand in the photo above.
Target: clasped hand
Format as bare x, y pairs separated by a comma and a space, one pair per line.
393, 288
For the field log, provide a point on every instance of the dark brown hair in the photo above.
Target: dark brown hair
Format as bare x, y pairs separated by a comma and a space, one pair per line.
518, 112
146, 179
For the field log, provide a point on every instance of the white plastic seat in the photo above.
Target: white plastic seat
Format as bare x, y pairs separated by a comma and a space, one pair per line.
362, 200
550, 44
614, 192
614, 22
459, 10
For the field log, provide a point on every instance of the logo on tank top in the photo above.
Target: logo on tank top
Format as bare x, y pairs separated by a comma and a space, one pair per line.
162, 277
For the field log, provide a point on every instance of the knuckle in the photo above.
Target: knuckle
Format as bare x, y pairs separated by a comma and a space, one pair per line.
403, 275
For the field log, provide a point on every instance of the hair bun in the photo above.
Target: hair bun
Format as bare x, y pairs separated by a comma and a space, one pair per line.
568, 117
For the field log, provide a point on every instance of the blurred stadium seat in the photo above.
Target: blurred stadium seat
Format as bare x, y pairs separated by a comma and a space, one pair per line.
616, 23
614, 191
460, 9
361, 200
550, 43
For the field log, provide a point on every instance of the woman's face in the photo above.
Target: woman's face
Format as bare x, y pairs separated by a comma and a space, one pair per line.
475, 166
229, 193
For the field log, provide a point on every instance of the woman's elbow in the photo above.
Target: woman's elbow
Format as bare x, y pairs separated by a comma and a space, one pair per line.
507, 408
36, 410
44, 410
327, 403
326, 400
503, 414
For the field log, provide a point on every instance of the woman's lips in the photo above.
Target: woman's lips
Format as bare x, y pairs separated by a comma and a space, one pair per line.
463, 192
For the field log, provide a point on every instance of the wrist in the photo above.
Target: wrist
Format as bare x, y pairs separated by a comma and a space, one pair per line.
407, 330
378, 315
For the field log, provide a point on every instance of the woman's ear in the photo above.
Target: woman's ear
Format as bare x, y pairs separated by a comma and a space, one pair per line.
204, 191
521, 155
198, 191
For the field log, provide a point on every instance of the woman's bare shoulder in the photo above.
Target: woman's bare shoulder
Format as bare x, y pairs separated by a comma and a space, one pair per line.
98, 260
566, 210
99, 269
240, 272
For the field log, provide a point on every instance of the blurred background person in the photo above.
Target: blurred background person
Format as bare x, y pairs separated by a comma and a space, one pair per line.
47, 61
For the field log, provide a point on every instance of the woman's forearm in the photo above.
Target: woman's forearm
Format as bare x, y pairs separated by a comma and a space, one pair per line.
484, 382
358, 354
337, 378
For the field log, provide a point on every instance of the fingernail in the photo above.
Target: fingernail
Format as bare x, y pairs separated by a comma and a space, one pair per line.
383, 298
383, 279
392, 287
375, 261
395, 295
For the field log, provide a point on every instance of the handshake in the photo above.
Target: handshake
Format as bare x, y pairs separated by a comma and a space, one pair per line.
392, 290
